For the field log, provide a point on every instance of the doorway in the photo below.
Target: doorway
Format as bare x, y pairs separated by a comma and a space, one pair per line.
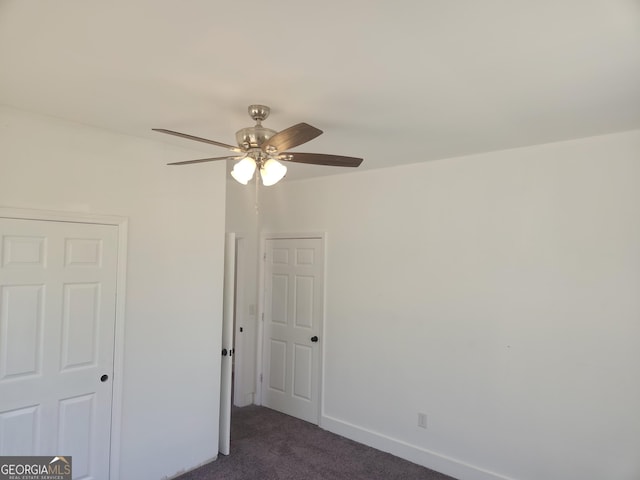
233, 338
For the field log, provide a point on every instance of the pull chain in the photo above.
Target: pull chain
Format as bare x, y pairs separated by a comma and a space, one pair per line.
257, 189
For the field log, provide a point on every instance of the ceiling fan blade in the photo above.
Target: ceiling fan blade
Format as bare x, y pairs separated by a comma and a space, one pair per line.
321, 159
197, 139
201, 160
291, 137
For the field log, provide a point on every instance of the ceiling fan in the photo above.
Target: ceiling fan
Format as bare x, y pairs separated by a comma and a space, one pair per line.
260, 148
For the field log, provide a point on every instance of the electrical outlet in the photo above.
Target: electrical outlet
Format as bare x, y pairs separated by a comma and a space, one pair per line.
422, 420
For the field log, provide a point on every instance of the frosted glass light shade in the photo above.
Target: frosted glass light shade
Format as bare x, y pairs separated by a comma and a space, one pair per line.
243, 170
272, 172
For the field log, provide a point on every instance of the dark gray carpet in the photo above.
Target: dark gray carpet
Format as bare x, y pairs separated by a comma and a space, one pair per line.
268, 445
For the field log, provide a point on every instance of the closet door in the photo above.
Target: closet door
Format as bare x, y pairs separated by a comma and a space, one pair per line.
57, 319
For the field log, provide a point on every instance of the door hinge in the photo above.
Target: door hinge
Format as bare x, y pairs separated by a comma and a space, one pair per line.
262, 316
264, 256
260, 378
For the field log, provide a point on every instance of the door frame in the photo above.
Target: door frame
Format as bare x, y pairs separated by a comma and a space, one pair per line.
227, 344
118, 353
261, 297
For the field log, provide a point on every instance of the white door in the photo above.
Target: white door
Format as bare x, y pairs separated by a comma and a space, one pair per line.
57, 319
226, 365
293, 312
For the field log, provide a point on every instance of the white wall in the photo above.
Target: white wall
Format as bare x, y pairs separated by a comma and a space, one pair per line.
242, 219
498, 294
174, 278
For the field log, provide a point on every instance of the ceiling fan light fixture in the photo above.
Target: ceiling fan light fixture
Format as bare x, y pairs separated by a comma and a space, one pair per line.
243, 170
272, 172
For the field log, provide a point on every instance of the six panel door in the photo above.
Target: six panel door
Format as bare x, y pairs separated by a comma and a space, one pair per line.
57, 319
294, 288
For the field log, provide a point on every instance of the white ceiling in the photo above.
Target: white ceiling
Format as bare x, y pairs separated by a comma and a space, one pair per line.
394, 82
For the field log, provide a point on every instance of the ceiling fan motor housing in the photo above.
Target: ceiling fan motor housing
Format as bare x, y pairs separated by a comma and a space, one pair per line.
253, 137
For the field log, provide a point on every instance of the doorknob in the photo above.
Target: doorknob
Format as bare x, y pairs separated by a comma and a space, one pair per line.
314, 339
224, 352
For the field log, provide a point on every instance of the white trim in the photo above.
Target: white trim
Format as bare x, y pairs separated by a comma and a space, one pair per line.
421, 456
183, 472
321, 381
274, 236
260, 330
59, 216
227, 334
118, 353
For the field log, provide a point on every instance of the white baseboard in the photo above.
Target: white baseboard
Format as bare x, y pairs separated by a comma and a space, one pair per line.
413, 453
245, 400
187, 470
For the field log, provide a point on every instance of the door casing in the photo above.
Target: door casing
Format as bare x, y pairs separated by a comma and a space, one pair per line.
226, 362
